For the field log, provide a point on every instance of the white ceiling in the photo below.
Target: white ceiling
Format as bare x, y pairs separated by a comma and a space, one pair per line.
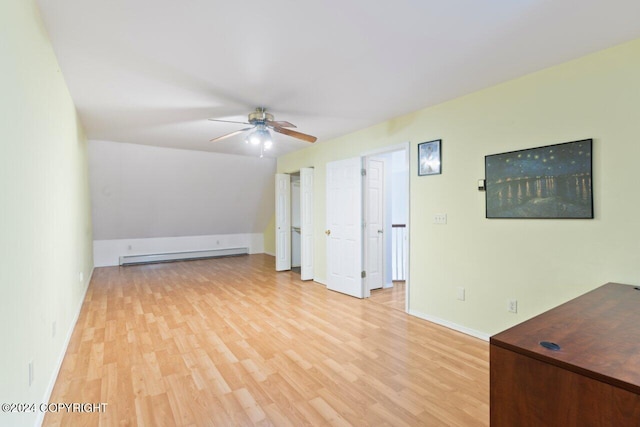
152, 71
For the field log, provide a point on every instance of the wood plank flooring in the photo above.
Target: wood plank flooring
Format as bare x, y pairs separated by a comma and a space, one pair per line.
394, 297
229, 342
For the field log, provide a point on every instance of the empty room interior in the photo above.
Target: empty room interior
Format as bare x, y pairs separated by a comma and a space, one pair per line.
241, 213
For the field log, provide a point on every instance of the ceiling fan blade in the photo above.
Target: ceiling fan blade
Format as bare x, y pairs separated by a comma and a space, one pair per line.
229, 121
293, 133
282, 124
231, 134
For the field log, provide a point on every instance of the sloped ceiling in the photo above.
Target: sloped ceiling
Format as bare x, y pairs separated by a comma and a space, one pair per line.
144, 192
152, 71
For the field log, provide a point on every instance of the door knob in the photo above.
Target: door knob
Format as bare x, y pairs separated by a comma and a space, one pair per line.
380, 231
327, 232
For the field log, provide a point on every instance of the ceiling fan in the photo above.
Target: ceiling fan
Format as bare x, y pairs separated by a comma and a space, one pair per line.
261, 122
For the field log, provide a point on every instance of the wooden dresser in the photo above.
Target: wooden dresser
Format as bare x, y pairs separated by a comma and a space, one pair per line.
593, 379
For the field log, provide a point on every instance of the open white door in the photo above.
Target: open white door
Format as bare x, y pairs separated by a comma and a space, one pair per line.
306, 223
374, 219
344, 227
283, 222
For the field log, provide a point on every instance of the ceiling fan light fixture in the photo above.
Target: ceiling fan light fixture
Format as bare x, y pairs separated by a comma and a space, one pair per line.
259, 136
253, 138
259, 133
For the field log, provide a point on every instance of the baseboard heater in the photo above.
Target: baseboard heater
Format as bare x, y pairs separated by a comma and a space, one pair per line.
181, 256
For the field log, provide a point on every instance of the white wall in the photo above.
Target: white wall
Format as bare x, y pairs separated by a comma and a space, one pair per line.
141, 192
45, 222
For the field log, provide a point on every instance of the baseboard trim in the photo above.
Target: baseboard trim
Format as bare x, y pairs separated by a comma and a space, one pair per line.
450, 325
270, 254
180, 256
63, 353
322, 282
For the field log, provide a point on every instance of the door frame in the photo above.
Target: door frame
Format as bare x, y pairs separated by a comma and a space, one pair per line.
283, 221
406, 147
307, 182
306, 222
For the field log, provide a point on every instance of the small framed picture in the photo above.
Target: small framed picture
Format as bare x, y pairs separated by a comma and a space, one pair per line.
430, 158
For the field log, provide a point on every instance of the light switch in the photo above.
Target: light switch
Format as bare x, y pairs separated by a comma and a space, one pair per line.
440, 218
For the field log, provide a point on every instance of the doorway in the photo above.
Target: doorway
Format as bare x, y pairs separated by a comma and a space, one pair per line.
367, 196
386, 216
294, 222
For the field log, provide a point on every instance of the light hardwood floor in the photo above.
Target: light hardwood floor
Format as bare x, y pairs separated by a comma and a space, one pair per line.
393, 297
230, 342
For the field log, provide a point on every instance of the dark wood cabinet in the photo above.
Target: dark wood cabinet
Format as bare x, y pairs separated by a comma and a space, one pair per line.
591, 379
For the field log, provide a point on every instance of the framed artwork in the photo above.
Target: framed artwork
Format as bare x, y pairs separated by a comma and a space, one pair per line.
430, 158
554, 181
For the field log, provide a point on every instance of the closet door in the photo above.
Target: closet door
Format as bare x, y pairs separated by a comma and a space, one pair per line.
283, 222
306, 223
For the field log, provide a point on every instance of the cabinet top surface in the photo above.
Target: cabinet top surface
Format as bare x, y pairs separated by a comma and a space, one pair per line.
598, 334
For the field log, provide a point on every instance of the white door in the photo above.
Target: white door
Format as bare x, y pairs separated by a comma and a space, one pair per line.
306, 223
344, 227
374, 223
283, 222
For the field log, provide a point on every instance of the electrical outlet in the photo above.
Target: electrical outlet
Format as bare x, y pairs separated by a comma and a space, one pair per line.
440, 218
512, 306
460, 292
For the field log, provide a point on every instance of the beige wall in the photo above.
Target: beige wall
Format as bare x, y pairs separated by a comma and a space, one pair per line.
270, 236
45, 220
541, 263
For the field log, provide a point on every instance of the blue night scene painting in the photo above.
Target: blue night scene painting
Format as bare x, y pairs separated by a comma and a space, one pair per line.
545, 182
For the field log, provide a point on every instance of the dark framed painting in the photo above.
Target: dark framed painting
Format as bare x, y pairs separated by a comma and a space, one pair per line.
430, 158
554, 181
